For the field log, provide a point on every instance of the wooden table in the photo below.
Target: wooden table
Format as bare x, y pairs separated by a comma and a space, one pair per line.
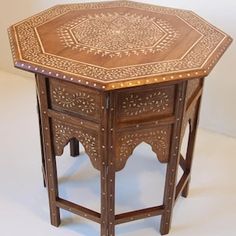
112, 75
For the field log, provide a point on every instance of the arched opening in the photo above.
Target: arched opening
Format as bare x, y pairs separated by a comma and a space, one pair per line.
141, 183
78, 181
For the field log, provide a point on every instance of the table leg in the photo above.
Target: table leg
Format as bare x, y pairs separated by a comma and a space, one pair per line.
52, 188
41, 144
168, 198
107, 201
49, 157
103, 202
74, 147
191, 144
172, 166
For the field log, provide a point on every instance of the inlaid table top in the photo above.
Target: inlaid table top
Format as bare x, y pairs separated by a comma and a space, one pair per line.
118, 44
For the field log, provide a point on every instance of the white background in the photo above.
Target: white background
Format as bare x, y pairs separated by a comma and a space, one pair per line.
218, 110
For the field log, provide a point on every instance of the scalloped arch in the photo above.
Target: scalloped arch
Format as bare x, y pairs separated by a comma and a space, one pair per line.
64, 133
158, 139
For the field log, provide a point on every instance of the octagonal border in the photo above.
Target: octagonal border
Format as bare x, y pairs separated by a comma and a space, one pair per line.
151, 63
130, 78
69, 59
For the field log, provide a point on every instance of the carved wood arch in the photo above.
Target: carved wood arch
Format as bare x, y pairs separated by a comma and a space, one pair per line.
63, 133
158, 139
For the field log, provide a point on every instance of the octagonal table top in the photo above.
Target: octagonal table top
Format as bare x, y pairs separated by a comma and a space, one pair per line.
119, 44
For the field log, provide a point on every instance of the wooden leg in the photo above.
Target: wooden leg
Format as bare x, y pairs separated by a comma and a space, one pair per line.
41, 144
169, 197
172, 166
189, 158
111, 202
191, 144
52, 189
49, 157
108, 173
103, 202
107, 202
74, 147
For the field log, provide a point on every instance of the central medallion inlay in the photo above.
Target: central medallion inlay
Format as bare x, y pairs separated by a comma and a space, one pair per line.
116, 34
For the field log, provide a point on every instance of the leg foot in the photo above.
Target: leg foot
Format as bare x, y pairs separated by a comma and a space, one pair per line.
74, 147
164, 231
185, 191
55, 216
44, 184
165, 224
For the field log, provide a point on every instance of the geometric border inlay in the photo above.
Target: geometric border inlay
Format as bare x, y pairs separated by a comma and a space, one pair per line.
28, 54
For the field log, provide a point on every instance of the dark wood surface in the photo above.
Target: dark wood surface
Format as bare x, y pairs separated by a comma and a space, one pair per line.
111, 76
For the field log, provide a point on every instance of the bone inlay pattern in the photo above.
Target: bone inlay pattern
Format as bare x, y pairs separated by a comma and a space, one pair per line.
157, 101
125, 34
63, 133
158, 138
75, 99
79, 99
121, 39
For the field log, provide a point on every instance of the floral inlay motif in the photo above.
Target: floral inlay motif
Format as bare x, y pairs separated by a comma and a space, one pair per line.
159, 139
135, 104
117, 34
81, 100
63, 133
